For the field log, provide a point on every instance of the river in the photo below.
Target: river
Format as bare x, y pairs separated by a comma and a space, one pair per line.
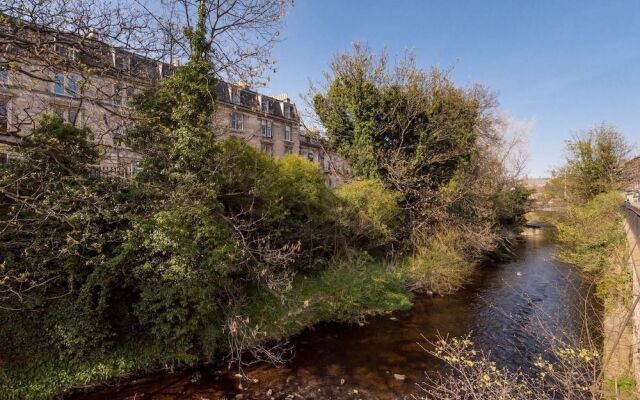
503, 310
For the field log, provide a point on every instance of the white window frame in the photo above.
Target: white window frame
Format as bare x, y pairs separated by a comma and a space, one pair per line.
69, 79
237, 121
267, 148
62, 87
234, 94
287, 133
266, 128
287, 111
264, 105
64, 113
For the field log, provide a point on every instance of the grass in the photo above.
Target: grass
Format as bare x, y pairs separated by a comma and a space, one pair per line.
345, 292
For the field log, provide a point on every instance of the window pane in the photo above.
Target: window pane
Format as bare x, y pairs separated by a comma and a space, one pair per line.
117, 97
73, 117
72, 85
59, 113
4, 73
61, 50
58, 86
3, 118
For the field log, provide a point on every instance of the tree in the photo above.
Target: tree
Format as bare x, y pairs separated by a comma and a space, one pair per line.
61, 225
422, 136
594, 165
240, 34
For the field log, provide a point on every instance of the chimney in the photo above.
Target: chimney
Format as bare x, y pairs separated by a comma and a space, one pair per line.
283, 97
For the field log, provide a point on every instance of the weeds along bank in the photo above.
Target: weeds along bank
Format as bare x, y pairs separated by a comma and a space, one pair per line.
592, 232
594, 239
217, 250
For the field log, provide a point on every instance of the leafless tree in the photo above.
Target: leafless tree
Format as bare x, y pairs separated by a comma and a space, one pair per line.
241, 33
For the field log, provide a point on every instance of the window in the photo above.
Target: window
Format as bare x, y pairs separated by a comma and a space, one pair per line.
267, 148
265, 104
70, 88
4, 72
4, 158
237, 121
326, 164
122, 62
61, 50
287, 133
58, 112
310, 156
117, 95
267, 129
58, 84
73, 116
65, 51
4, 120
287, 111
288, 149
72, 85
130, 93
235, 95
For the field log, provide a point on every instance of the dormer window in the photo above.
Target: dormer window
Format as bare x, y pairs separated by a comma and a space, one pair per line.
234, 94
287, 111
61, 50
122, 62
64, 51
265, 105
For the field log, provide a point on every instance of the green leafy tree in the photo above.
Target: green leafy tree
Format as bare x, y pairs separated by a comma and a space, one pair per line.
594, 165
61, 224
421, 136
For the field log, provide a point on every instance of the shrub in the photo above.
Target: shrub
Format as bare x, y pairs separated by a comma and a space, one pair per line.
371, 212
440, 265
592, 232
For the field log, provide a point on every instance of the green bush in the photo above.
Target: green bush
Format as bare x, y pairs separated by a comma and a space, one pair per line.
440, 266
592, 232
371, 212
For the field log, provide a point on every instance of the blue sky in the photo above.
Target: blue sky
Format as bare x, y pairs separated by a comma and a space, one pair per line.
560, 65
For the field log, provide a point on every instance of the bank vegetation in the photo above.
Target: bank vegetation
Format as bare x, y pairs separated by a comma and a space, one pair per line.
216, 251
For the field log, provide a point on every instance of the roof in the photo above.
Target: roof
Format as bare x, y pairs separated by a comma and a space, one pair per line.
253, 100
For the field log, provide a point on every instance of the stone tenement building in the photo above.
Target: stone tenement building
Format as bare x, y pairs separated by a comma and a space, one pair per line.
97, 98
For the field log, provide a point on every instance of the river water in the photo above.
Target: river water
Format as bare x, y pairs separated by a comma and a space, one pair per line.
503, 310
